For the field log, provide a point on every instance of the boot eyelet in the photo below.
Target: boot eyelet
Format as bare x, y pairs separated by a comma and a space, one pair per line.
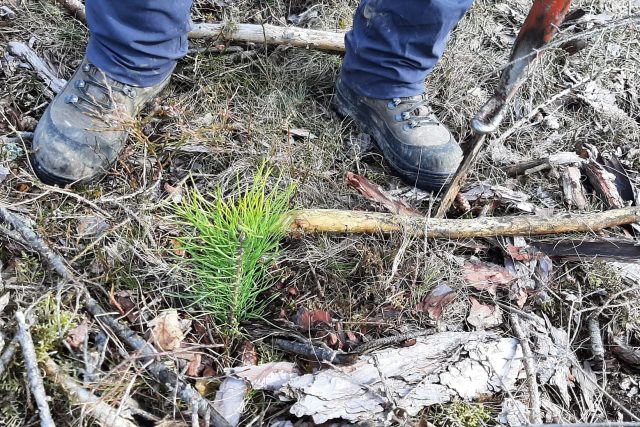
86, 68
81, 84
406, 115
71, 99
398, 118
131, 93
407, 127
391, 105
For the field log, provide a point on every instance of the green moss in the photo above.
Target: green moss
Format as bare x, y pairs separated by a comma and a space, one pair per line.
460, 414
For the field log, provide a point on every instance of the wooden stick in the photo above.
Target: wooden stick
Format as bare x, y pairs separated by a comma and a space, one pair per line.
530, 369
342, 221
158, 370
33, 373
97, 409
461, 176
75, 8
248, 33
35, 242
270, 34
27, 54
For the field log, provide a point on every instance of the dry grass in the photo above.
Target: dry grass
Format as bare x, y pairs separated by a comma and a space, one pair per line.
237, 107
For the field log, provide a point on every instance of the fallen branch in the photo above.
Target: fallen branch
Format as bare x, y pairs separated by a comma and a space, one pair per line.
36, 242
530, 369
248, 33
342, 221
537, 165
93, 406
75, 8
158, 370
27, 54
313, 352
8, 353
270, 34
33, 373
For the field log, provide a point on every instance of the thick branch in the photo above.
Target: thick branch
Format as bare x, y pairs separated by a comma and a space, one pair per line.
341, 221
271, 34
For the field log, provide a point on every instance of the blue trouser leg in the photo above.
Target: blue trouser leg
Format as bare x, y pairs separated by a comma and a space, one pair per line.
394, 44
137, 42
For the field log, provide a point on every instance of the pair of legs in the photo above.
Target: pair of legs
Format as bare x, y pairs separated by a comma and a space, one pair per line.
393, 46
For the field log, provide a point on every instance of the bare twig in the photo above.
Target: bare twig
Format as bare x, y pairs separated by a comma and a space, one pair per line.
530, 369
393, 339
27, 54
36, 242
158, 370
309, 350
8, 353
96, 408
33, 373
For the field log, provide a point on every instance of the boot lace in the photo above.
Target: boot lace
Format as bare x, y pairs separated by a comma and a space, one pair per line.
102, 103
415, 112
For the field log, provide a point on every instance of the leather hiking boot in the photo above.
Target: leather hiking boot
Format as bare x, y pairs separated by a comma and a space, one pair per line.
84, 128
411, 138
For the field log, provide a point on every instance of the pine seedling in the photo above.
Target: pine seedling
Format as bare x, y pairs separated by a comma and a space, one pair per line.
231, 244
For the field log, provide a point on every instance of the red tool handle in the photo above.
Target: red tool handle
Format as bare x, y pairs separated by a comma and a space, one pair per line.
540, 26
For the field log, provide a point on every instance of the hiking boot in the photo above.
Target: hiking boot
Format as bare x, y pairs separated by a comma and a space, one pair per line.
411, 138
84, 128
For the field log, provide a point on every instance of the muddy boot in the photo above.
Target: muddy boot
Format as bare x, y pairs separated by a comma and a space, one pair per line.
411, 138
83, 130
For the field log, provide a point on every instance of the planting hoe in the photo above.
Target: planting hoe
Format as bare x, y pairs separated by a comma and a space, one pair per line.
539, 27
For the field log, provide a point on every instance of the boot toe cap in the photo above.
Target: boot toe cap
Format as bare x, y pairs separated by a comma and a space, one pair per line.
62, 156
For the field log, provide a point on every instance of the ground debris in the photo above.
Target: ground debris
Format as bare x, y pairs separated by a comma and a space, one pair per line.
505, 196
435, 370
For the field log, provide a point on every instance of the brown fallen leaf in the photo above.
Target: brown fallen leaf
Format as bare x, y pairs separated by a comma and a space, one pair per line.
123, 301
374, 193
167, 334
307, 319
523, 253
78, 335
437, 300
486, 276
248, 354
174, 194
193, 367
482, 316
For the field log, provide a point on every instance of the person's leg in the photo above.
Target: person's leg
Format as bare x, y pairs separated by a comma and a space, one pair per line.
137, 42
393, 46
132, 51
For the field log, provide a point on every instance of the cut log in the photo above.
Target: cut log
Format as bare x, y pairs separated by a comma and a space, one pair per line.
340, 221
270, 34
572, 188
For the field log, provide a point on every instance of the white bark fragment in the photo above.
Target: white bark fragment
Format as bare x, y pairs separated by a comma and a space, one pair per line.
434, 370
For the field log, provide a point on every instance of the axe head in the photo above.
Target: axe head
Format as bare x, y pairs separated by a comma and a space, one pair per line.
538, 29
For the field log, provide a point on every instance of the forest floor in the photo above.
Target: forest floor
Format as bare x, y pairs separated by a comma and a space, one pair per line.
253, 123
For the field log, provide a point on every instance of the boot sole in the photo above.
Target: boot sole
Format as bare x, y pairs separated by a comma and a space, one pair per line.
423, 179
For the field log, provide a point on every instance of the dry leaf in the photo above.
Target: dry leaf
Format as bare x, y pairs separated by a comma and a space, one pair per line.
167, 333
91, 225
300, 133
374, 193
307, 319
175, 194
524, 253
437, 300
78, 335
248, 354
194, 364
482, 316
486, 276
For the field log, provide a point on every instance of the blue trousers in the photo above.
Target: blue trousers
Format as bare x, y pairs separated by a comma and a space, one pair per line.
393, 46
